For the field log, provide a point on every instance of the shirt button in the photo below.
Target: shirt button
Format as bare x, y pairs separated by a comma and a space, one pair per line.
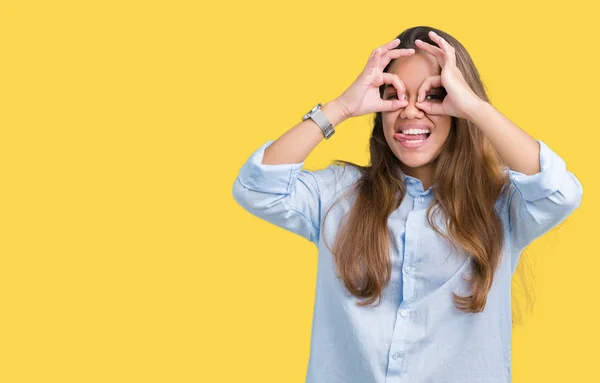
421, 199
397, 355
407, 269
403, 313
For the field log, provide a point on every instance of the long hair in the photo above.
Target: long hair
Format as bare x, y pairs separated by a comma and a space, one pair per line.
469, 178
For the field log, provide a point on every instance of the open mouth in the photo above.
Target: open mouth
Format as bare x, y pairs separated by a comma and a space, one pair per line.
413, 136
412, 139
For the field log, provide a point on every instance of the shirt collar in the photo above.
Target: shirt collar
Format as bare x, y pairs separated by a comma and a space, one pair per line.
414, 186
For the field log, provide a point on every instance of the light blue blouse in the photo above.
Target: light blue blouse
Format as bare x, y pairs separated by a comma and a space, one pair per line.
417, 334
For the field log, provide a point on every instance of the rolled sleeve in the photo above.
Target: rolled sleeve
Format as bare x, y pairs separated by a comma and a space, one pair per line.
283, 194
541, 201
268, 178
544, 183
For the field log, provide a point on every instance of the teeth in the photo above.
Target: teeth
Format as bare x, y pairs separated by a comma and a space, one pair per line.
415, 131
414, 141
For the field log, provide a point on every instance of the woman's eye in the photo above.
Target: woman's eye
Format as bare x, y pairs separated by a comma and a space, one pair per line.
430, 97
435, 96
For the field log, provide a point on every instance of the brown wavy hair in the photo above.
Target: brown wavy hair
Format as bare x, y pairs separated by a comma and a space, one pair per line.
467, 157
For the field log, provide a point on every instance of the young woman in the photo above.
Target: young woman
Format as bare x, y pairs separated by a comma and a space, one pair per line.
417, 285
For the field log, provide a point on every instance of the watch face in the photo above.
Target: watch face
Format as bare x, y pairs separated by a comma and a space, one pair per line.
307, 115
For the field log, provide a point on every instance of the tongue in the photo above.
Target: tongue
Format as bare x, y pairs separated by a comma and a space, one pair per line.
404, 137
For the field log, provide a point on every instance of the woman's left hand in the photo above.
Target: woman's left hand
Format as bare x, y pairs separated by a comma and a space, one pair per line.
460, 100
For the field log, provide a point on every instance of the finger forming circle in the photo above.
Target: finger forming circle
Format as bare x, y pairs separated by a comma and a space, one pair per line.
449, 51
429, 83
437, 52
393, 54
394, 80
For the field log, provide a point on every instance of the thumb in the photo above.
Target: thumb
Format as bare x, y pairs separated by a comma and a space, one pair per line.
392, 105
430, 108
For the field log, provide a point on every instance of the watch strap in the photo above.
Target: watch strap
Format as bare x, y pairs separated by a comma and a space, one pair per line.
317, 115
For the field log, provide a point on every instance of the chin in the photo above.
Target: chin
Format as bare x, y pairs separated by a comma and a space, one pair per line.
412, 158
413, 161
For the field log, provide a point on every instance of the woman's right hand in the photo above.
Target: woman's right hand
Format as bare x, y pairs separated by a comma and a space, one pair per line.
362, 97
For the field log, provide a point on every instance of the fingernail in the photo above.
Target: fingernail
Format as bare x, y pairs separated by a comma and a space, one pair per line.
403, 97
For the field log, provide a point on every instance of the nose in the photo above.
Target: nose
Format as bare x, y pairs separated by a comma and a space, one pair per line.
411, 111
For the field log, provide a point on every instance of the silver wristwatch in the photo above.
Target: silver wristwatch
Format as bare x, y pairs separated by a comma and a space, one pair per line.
317, 115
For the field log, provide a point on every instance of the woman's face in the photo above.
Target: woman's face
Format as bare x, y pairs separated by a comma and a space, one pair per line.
415, 156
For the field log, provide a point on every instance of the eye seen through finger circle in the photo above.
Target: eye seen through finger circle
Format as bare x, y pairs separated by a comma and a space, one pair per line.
429, 97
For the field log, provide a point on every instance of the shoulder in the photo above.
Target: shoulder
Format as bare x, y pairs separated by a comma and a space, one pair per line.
338, 175
335, 178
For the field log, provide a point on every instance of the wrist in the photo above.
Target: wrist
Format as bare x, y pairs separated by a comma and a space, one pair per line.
478, 111
335, 112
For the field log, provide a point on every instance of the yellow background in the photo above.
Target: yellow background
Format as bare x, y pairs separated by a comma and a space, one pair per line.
123, 257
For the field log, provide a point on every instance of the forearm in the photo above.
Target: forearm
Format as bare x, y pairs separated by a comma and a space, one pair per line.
296, 144
516, 147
